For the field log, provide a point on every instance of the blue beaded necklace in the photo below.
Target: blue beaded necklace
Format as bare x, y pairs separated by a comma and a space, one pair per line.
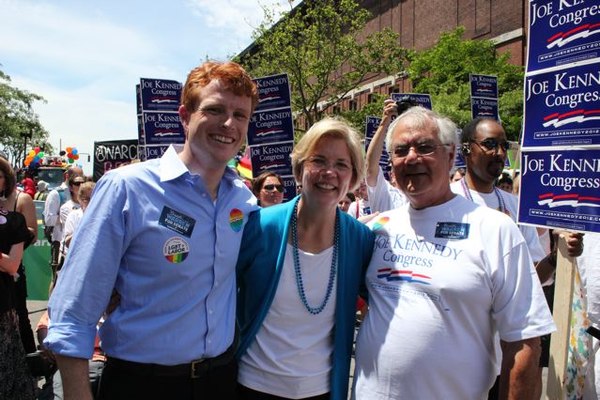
298, 271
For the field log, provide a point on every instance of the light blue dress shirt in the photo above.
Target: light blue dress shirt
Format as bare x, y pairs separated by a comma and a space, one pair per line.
153, 233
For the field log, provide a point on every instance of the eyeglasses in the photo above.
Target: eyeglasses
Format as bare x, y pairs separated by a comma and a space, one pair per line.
492, 144
75, 183
272, 187
422, 149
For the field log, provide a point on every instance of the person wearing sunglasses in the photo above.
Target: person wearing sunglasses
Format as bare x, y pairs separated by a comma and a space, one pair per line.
268, 189
484, 149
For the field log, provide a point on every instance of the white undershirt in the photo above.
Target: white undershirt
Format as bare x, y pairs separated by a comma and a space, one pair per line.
291, 354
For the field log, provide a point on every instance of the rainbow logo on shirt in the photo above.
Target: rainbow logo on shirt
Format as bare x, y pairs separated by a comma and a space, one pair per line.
236, 219
379, 223
176, 250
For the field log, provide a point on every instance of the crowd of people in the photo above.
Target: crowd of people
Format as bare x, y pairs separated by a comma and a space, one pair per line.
183, 282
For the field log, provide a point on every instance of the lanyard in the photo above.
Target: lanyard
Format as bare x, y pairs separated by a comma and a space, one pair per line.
501, 207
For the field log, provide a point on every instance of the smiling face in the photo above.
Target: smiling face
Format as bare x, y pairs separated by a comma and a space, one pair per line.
327, 172
269, 193
216, 130
422, 177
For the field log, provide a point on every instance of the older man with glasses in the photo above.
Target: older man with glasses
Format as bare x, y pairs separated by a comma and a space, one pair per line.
449, 282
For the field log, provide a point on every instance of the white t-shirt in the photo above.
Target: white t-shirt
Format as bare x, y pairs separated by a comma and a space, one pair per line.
291, 354
383, 196
359, 208
443, 281
71, 224
509, 206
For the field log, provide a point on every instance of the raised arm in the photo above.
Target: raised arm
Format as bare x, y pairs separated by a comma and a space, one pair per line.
376, 145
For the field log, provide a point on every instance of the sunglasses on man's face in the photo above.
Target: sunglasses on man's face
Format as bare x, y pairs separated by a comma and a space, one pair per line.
491, 144
76, 183
272, 187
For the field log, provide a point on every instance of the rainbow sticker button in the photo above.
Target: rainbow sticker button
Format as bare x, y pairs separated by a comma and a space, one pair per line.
236, 219
176, 250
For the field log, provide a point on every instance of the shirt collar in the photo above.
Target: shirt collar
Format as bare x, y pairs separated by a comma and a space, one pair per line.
171, 166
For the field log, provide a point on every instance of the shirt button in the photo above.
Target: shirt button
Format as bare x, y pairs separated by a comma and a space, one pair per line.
210, 311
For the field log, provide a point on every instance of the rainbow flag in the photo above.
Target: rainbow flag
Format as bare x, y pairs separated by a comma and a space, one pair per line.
244, 167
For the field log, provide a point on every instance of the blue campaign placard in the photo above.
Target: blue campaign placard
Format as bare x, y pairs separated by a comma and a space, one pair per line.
271, 126
141, 135
484, 108
484, 86
418, 98
561, 188
162, 128
562, 107
289, 187
273, 92
272, 157
159, 94
371, 125
562, 32
155, 151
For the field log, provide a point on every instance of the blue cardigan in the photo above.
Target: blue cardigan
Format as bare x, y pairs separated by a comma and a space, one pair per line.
259, 268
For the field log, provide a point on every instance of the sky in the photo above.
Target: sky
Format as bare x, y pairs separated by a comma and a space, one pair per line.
85, 57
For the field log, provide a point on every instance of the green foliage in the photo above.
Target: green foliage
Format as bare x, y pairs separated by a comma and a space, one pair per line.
320, 46
358, 118
18, 123
443, 72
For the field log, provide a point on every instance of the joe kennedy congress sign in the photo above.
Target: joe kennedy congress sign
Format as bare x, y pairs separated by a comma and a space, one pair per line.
561, 188
562, 107
562, 32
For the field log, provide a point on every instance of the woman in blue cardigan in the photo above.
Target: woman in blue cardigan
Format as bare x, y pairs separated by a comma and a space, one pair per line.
300, 267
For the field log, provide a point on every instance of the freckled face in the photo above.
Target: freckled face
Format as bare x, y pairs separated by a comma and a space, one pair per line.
216, 130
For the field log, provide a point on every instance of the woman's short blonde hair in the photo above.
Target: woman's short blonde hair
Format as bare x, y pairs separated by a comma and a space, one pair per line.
333, 128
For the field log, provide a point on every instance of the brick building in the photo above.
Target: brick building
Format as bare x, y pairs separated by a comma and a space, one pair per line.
420, 23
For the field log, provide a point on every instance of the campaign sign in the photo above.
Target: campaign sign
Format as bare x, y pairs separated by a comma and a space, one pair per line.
160, 94
562, 107
272, 157
273, 92
484, 108
112, 154
484, 86
289, 187
561, 32
271, 127
155, 151
561, 189
138, 99
162, 127
371, 125
418, 98
141, 135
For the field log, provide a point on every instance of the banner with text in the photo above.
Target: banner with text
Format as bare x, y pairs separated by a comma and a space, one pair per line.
561, 189
112, 154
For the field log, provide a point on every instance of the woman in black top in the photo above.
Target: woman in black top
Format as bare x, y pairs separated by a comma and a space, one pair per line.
15, 379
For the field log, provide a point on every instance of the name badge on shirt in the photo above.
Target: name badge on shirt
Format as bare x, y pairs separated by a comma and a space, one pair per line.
176, 221
452, 230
